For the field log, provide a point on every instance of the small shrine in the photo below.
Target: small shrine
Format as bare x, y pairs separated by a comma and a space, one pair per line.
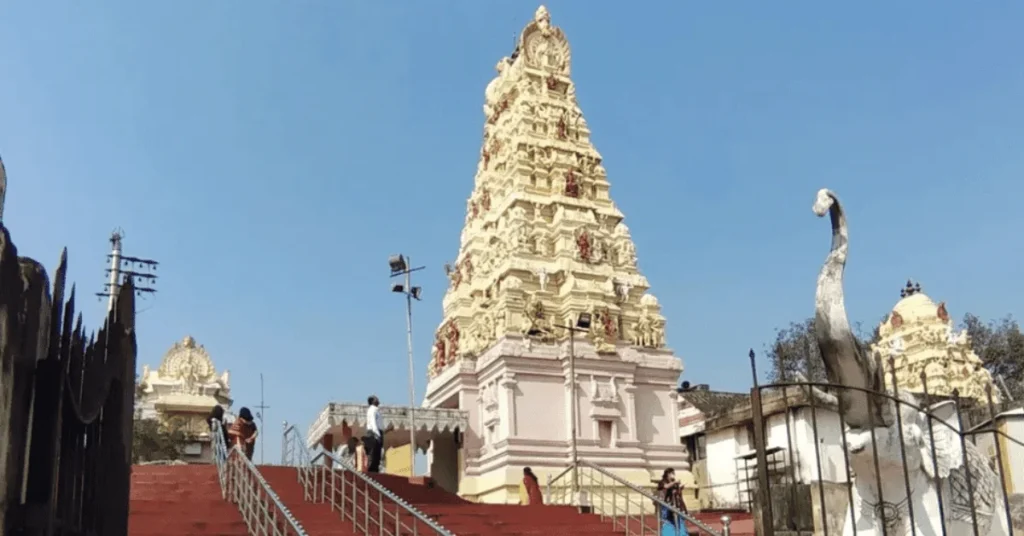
921, 336
543, 245
182, 392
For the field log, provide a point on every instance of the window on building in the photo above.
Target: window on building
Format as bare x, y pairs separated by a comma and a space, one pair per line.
604, 433
697, 447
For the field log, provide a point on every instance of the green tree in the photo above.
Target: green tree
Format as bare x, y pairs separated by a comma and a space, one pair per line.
153, 440
795, 350
1000, 346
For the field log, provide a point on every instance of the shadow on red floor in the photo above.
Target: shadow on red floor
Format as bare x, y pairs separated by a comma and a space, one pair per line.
455, 514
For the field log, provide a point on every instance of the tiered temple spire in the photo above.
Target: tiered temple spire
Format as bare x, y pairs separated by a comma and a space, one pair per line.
542, 240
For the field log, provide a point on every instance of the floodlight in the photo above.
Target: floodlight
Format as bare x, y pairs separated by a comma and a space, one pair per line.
398, 287
397, 264
415, 292
583, 322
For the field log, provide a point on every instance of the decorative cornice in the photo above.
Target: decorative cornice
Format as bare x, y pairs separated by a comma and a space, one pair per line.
427, 419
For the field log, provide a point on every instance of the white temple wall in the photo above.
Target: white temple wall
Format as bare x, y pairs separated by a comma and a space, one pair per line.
722, 448
1014, 427
539, 402
518, 416
1013, 470
725, 474
469, 401
655, 416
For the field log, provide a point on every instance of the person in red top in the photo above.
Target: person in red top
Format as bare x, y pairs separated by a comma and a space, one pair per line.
243, 432
533, 495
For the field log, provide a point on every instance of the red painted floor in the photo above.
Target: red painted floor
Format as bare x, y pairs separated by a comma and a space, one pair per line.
452, 512
180, 499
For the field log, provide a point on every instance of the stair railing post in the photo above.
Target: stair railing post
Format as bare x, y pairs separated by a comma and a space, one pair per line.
284, 443
725, 525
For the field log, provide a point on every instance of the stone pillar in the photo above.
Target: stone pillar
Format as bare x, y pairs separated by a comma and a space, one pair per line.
630, 390
327, 442
508, 383
568, 409
674, 397
469, 399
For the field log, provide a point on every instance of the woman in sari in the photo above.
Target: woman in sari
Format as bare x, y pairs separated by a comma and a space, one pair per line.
670, 491
530, 494
243, 432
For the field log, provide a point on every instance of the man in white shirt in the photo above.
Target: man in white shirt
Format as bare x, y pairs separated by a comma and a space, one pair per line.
373, 440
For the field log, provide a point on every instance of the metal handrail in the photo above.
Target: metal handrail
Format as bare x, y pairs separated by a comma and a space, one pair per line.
660, 503
320, 482
547, 488
241, 483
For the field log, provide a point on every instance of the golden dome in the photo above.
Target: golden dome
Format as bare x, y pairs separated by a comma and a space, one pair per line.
914, 307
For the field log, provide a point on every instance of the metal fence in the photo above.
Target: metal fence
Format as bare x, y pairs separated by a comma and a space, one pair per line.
371, 509
66, 405
627, 507
242, 484
921, 473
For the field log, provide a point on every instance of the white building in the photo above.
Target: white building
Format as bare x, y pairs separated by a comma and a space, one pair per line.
1010, 425
718, 429
181, 393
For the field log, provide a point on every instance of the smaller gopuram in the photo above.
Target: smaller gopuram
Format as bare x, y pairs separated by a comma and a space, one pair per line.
921, 335
182, 392
544, 255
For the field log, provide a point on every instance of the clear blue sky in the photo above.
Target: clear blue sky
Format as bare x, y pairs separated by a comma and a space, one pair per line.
273, 154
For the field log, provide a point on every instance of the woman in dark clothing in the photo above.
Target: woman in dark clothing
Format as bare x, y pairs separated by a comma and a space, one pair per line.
217, 413
243, 432
670, 491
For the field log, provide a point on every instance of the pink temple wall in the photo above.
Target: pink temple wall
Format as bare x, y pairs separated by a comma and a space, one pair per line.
538, 408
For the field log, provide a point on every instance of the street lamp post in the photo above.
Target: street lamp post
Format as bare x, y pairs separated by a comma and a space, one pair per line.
582, 326
400, 265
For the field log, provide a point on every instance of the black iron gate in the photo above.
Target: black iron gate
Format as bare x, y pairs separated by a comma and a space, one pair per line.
892, 463
66, 405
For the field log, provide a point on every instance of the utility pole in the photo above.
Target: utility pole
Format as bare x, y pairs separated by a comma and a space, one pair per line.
402, 265
259, 415
583, 322
123, 267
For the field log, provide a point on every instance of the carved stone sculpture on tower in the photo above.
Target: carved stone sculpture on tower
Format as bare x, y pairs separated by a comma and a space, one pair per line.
548, 244
541, 206
920, 335
183, 390
903, 460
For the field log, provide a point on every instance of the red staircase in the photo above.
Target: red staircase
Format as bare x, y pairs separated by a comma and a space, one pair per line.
316, 519
455, 514
180, 499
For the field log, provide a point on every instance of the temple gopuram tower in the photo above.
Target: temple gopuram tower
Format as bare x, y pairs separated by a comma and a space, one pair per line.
542, 243
181, 393
920, 335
